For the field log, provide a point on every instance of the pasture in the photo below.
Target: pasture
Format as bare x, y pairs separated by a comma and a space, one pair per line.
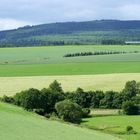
115, 125
16, 123
44, 61
54, 54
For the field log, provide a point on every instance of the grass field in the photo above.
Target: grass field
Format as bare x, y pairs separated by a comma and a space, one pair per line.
115, 125
69, 69
54, 54
17, 124
40, 61
12, 85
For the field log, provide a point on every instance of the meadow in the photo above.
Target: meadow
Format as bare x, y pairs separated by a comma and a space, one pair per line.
115, 125
44, 61
28, 126
27, 67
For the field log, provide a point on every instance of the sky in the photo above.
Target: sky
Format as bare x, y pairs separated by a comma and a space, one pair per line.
18, 13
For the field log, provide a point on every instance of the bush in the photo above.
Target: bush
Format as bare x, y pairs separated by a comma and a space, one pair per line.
7, 99
129, 130
29, 99
86, 112
129, 108
39, 111
69, 111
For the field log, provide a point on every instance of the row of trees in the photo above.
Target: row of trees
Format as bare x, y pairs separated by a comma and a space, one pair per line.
72, 106
95, 53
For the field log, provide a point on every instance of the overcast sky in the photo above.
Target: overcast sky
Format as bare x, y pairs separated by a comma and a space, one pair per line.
16, 13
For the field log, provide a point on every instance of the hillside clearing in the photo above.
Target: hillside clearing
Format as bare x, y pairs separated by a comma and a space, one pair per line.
12, 85
15, 124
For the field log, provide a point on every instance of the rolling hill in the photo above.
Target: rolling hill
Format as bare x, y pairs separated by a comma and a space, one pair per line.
90, 32
17, 124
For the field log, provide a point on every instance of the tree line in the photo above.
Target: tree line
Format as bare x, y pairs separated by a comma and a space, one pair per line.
97, 53
73, 106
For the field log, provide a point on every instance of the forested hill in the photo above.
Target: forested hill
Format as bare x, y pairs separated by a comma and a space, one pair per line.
91, 32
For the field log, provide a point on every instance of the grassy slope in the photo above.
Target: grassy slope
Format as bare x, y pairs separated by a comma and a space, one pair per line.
115, 124
12, 85
16, 124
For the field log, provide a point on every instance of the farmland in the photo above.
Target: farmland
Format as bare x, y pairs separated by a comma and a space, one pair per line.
37, 67
11, 85
23, 68
115, 125
44, 61
15, 121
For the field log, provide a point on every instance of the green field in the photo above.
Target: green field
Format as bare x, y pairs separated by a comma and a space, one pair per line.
17, 124
40, 61
26, 67
115, 125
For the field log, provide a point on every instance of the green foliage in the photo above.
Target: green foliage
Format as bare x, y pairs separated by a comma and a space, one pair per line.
132, 88
44, 99
69, 111
86, 112
129, 108
91, 32
96, 98
39, 111
7, 99
56, 87
129, 128
96, 53
107, 101
29, 99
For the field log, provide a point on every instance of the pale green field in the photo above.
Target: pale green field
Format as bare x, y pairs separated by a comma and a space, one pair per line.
12, 85
17, 124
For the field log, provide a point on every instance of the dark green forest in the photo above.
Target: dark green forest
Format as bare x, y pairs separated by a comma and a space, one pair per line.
73, 33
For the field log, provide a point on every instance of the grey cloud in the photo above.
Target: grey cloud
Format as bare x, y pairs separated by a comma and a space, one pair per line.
45, 11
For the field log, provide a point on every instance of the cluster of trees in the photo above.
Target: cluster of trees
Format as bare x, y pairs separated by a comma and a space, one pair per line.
112, 42
94, 53
73, 106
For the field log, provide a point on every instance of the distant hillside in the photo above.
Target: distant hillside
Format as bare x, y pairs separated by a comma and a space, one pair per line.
90, 32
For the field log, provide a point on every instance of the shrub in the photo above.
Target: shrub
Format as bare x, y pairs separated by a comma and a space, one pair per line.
39, 111
86, 112
69, 111
130, 130
29, 99
7, 99
129, 108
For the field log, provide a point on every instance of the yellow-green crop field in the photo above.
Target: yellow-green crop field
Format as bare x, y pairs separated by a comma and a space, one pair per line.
12, 85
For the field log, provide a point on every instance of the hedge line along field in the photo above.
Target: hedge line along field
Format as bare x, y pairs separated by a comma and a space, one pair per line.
11, 85
115, 125
17, 124
54, 54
